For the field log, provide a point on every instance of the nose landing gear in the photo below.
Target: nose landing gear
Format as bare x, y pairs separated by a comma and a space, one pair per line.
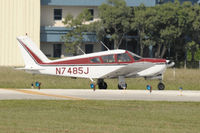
161, 86
122, 85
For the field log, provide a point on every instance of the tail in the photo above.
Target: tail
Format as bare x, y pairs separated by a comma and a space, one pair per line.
32, 55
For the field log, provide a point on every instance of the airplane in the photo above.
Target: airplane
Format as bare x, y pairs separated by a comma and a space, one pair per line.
102, 65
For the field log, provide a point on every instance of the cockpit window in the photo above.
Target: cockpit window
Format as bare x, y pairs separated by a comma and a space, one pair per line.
123, 58
108, 59
135, 57
95, 60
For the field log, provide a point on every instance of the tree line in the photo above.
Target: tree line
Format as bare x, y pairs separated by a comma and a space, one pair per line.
169, 26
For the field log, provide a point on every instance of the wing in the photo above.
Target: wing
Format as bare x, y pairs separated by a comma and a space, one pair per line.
129, 70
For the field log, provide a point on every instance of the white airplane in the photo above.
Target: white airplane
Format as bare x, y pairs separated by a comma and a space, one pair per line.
100, 65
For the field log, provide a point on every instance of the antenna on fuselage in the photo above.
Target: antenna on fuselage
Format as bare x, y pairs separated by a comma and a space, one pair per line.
81, 50
105, 46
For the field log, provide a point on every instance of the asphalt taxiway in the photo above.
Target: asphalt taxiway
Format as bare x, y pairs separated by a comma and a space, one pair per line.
89, 94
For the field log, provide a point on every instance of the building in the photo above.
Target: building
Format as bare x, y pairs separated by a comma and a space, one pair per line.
53, 13
18, 17
181, 1
42, 21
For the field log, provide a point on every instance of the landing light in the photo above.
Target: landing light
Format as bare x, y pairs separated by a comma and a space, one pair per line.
38, 84
92, 86
149, 88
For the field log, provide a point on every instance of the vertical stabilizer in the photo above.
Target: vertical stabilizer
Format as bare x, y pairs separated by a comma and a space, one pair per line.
32, 55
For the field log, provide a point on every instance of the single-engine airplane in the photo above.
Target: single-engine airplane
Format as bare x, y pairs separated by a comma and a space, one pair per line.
118, 63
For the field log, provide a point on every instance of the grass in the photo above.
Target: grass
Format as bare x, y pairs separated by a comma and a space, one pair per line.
27, 116
189, 79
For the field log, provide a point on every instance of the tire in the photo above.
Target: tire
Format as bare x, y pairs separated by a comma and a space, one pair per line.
120, 87
161, 86
102, 85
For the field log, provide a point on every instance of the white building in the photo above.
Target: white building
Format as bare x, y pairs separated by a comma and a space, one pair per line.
18, 17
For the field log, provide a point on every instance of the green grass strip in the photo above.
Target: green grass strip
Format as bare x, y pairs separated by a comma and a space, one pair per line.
43, 116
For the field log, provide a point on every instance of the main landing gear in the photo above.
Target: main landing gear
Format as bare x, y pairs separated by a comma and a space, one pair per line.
122, 85
101, 84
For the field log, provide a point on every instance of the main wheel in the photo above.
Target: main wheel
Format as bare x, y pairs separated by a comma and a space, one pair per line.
120, 86
102, 85
161, 86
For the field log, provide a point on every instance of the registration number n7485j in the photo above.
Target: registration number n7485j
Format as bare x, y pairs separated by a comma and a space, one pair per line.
72, 70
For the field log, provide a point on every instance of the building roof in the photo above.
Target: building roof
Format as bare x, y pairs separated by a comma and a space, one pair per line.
93, 2
181, 1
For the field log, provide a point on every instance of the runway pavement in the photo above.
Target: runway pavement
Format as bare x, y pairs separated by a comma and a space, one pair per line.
89, 94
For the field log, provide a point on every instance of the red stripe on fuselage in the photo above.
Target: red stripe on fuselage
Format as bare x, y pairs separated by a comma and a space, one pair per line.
152, 60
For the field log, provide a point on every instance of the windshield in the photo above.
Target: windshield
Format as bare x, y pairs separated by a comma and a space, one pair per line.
135, 57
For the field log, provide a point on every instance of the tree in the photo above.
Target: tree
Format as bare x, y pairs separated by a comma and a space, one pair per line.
77, 29
192, 48
161, 26
143, 22
115, 18
194, 30
169, 28
182, 25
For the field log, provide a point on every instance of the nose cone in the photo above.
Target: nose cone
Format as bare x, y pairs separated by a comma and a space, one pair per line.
167, 61
170, 63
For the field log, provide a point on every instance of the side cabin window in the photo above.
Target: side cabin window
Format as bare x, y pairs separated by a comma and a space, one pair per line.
108, 59
123, 58
95, 60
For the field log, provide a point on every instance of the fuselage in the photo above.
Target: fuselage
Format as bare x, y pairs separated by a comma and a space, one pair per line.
106, 64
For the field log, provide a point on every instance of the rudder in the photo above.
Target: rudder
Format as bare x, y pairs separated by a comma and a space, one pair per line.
32, 55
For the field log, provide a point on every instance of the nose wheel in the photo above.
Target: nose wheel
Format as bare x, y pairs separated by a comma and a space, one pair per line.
122, 86
161, 86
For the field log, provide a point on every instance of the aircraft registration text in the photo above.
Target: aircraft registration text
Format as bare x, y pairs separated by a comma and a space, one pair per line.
72, 70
